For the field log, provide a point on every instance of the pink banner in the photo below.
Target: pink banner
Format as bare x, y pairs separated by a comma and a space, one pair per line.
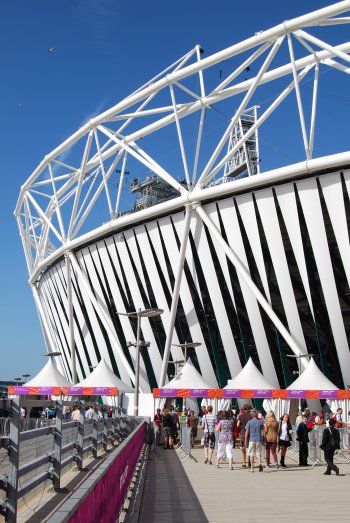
105, 500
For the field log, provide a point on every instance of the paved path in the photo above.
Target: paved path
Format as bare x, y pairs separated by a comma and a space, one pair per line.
196, 492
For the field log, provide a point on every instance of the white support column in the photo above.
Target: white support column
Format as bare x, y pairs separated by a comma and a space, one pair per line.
298, 95
70, 318
246, 276
102, 315
176, 292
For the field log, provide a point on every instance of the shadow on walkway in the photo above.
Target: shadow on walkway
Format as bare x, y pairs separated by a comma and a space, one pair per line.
168, 496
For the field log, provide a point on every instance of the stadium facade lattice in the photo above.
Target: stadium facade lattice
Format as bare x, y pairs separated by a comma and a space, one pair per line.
245, 257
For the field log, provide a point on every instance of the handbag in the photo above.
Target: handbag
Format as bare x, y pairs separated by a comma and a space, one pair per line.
202, 441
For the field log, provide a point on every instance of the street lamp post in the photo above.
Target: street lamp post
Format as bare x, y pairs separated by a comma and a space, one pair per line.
177, 363
18, 380
25, 376
187, 345
146, 313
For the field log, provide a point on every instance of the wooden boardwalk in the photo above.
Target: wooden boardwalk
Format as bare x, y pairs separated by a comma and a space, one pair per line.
192, 491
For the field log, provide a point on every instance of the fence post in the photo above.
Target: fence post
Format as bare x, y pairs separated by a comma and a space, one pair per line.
80, 439
114, 424
12, 479
57, 458
95, 432
105, 432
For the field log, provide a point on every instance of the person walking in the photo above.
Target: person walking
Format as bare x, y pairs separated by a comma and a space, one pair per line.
303, 438
208, 425
330, 443
285, 432
157, 420
253, 439
192, 422
242, 420
271, 437
168, 429
225, 442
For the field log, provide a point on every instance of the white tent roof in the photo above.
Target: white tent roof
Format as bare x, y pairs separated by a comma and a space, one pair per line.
103, 376
188, 378
49, 376
249, 378
312, 379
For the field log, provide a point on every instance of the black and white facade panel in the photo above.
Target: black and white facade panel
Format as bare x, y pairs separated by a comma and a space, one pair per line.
293, 240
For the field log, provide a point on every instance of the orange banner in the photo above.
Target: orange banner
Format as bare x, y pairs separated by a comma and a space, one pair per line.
247, 393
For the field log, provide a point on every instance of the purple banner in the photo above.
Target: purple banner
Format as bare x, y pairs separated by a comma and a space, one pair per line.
45, 390
296, 394
101, 391
328, 394
104, 502
198, 393
231, 393
168, 393
75, 391
20, 390
262, 393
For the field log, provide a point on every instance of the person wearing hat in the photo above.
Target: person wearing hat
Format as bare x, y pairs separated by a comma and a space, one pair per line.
330, 443
157, 420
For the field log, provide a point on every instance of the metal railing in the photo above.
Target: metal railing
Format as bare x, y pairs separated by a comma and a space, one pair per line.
316, 456
30, 458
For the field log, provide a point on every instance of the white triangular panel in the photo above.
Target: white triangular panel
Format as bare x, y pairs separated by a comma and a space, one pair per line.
153, 232
84, 255
247, 212
211, 279
211, 210
236, 244
288, 206
333, 195
309, 198
268, 215
186, 298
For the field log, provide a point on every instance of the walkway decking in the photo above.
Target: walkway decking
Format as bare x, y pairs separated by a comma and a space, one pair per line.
195, 492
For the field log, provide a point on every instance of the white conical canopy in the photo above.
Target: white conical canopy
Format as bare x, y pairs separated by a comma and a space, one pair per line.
249, 378
103, 376
49, 376
312, 379
188, 378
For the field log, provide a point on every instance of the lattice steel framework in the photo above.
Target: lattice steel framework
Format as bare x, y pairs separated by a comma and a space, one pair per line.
56, 210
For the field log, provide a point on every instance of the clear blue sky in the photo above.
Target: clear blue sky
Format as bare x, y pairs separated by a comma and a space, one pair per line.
104, 49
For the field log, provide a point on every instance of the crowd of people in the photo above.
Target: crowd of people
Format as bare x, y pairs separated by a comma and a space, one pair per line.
254, 433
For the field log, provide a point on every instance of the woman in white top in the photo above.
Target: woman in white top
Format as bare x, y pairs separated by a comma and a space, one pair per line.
208, 425
285, 437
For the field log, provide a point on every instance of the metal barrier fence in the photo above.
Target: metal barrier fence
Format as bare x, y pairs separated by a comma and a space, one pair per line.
183, 448
29, 459
316, 456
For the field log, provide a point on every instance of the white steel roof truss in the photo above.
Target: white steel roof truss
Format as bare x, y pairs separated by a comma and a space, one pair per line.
178, 128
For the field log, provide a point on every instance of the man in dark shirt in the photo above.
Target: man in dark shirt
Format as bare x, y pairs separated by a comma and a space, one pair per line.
303, 438
242, 420
330, 443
